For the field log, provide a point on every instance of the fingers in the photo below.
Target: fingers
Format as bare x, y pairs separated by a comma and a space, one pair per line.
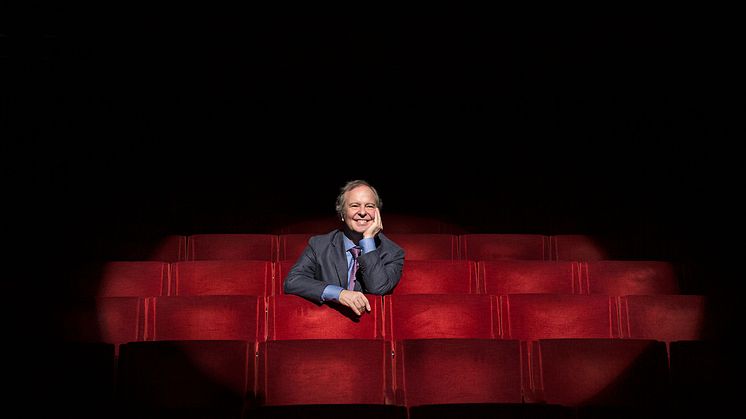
359, 309
357, 301
376, 226
361, 304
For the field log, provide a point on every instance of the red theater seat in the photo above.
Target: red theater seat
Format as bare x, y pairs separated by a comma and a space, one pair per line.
428, 316
427, 246
128, 279
554, 316
599, 372
232, 247
528, 277
503, 246
628, 278
292, 317
114, 320
663, 317
223, 277
212, 317
577, 247
212, 378
345, 371
292, 245
283, 267
438, 277
442, 371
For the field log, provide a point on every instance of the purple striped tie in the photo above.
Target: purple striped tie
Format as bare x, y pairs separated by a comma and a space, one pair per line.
355, 253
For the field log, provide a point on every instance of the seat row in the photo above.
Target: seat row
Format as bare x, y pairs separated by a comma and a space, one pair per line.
410, 373
260, 278
525, 317
417, 246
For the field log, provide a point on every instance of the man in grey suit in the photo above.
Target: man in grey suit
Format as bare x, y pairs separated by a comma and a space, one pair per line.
344, 264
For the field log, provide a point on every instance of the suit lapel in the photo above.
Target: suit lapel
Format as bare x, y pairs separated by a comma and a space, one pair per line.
340, 259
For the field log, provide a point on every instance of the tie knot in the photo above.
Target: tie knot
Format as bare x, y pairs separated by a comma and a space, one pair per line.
355, 252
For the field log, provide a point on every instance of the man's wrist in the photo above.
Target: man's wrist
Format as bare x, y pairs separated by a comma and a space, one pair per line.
331, 293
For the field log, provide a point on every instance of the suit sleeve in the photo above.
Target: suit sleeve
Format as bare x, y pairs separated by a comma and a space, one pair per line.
301, 280
381, 270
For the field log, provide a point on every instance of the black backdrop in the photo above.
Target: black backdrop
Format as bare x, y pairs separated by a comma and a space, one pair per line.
138, 123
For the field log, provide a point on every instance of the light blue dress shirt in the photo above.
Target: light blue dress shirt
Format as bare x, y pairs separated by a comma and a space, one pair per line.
331, 292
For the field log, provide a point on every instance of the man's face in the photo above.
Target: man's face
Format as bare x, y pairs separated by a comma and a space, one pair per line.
360, 208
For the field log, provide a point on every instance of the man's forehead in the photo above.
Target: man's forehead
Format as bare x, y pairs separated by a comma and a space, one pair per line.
360, 190
361, 193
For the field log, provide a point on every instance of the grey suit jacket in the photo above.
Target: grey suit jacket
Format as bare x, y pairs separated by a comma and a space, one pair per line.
324, 262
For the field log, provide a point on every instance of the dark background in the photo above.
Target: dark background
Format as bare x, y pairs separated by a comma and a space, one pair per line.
139, 123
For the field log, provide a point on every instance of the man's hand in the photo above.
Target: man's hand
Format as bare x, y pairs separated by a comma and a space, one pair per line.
375, 227
357, 301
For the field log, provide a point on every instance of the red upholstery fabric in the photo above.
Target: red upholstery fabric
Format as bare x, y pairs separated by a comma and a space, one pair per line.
208, 317
222, 277
599, 372
427, 246
503, 246
663, 317
187, 375
438, 277
133, 279
169, 249
577, 247
324, 372
114, 320
628, 278
550, 316
527, 277
438, 371
441, 316
293, 317
292, 245
232, 247
281, 272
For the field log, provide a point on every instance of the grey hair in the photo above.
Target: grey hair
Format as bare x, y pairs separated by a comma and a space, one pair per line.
350, 186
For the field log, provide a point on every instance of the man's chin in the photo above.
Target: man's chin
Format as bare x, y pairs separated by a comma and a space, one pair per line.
354, 230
